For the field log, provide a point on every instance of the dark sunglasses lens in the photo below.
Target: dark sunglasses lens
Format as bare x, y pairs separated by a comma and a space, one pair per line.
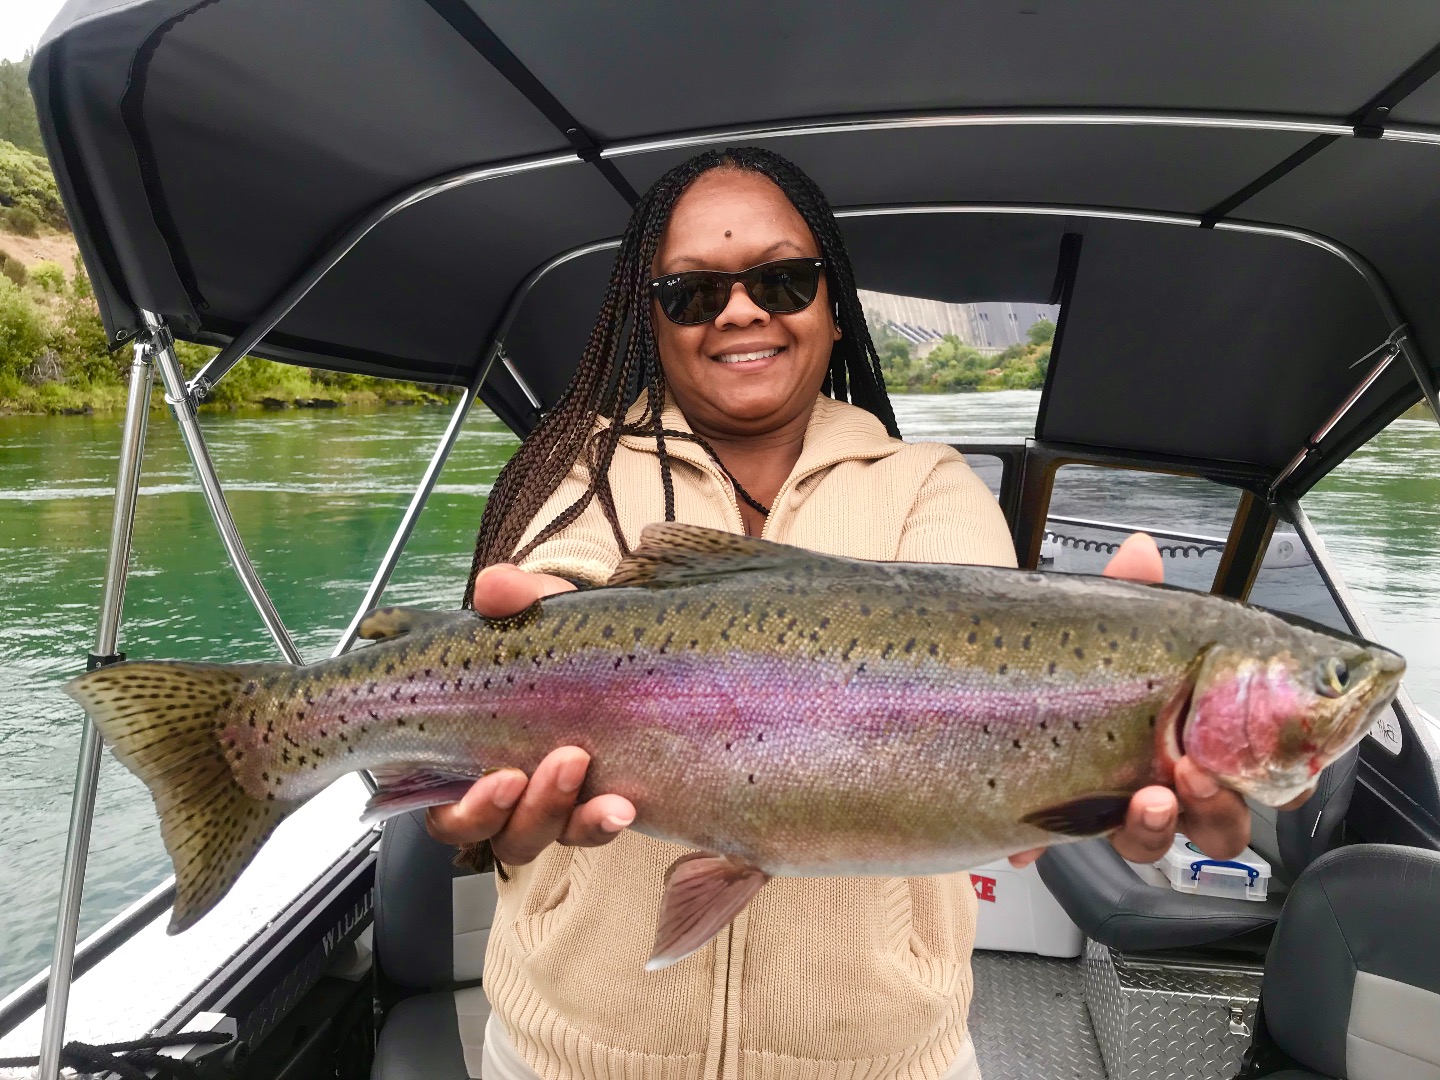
782, 287
692, 298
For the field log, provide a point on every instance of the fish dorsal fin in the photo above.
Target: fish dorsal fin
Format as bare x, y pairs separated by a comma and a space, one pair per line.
391, 622
670, 553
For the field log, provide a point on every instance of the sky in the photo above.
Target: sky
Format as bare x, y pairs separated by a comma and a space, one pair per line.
21, 24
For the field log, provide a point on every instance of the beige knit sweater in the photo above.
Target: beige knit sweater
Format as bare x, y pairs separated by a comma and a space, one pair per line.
818, 979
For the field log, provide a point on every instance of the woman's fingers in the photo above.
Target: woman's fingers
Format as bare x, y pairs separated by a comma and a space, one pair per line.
1137, 559
598, 821
547, 812
1150, 824
504, 589
481, 813
1216, 819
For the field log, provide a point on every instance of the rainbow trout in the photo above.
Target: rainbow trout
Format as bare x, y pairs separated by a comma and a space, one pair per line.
779, 711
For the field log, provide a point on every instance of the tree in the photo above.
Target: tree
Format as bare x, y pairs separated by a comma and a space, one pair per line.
1041, 333
18, 123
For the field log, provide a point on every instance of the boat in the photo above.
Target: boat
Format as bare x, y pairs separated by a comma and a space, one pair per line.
432, 190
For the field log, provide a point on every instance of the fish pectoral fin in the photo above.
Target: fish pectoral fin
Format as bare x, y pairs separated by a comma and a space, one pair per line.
1085, 815
391, 622
406, 788
703, 892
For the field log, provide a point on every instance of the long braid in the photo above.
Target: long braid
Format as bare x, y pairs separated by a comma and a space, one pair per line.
603, 387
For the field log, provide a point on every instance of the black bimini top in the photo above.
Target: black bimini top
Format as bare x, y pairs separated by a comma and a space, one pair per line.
1234, 201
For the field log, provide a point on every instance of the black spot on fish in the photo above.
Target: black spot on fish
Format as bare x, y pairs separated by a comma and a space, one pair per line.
910, 645
760, 737
465, 663
250, 687
618, 662
885, 652
607, 632
1051, 668
985, 728
1079, 653
1109, 736
864, 609
694, 642
1003, 668
861, 669
1102, 629
1105, 660
999, 642
1149, 684
1016, 743
824, 622
1025, 642
991, 782
752, 778
1055, 740
1044, 726
414, 698
972, 637
933, 649
1065, 637
1075, 724
420, 726
399, 721
975, 620
1152, 721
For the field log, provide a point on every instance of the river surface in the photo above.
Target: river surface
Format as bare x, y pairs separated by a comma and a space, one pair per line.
317, 495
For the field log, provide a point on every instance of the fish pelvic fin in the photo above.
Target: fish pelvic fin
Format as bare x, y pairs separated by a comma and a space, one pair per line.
670, 553
165, 722
703, 892
1083, 816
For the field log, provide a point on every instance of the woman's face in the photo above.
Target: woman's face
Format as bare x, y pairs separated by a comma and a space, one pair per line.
730, 219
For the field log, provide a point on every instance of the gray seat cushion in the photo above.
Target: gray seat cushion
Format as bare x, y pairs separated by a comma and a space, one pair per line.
420, 1041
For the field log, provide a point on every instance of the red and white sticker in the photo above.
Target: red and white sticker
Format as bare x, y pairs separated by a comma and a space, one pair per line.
984, 887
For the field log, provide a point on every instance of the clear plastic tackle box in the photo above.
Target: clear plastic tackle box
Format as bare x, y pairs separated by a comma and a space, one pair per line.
1188, 869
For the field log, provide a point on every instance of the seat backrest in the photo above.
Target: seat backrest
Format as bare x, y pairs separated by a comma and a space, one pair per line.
1292, 839
1352, 981
432, 920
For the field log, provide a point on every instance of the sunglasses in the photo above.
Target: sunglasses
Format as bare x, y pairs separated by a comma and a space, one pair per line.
693, 297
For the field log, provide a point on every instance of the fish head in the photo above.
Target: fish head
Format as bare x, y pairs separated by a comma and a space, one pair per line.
1266, 722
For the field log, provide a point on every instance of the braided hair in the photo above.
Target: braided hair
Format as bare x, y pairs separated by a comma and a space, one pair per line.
612, 367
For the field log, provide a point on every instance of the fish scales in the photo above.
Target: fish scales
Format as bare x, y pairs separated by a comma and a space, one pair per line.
793, 714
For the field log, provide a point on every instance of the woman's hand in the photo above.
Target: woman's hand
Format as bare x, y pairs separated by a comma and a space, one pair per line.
519, 816
1215, 818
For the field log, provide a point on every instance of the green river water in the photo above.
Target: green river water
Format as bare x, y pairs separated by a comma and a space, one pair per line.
316, 496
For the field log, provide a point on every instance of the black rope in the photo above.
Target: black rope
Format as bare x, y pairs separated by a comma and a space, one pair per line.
1081, 543
139, 1055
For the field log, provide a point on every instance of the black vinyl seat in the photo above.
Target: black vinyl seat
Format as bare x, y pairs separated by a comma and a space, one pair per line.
431, 924
1352, 980
1112, 905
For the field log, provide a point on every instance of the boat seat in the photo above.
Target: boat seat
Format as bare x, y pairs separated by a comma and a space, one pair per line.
432, 923
1352, 979
1110, 903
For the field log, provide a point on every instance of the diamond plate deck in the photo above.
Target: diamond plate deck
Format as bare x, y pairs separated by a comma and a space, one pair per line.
1029, 1022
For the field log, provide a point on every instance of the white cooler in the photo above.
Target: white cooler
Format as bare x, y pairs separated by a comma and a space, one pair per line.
1018, 914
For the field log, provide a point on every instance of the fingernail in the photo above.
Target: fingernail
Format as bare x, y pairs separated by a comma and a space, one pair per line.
616, 822
571, 775
1203, 785
507, 791
1156, 816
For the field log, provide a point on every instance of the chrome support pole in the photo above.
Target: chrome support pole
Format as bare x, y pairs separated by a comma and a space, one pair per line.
412, 512
520, 382
87, 771
182, 404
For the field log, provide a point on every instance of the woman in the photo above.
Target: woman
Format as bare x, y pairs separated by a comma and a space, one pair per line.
734, 430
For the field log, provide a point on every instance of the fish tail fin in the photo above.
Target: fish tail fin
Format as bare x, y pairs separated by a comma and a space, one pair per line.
165, 722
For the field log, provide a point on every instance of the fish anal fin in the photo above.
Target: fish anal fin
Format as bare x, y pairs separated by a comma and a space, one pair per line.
703, 892
413, 788
1084, 815
391, 622
670, 553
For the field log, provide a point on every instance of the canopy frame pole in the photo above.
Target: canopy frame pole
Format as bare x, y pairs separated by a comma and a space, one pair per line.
412, 512
182, 405
87, 770
495, 351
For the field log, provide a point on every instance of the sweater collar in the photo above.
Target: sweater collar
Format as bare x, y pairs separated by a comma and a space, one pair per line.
837, 432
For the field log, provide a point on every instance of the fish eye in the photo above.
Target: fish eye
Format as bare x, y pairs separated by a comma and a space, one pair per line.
1333, 677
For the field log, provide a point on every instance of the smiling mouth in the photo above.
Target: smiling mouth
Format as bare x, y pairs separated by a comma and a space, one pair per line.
741, 357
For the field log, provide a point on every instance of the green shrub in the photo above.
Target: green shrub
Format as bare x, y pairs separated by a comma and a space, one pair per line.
1041, 333
50, 276
80, 283
13, 269
22, 331
77, 337
21, 221
27, 184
